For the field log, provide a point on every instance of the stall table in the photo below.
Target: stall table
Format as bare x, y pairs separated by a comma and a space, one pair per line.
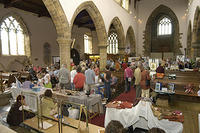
31, 97
93, 102
141, 116
66, 129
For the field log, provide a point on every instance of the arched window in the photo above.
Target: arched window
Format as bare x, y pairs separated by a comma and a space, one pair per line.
165, 26
125, 4
87, 44
112, 44
12, 37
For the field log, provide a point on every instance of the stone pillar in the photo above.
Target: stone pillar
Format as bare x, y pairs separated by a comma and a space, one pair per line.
196, 44
121, 51
103, 56
196, 49
65, 51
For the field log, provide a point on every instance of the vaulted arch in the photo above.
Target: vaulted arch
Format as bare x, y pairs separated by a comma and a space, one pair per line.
189, 41
94, 13
59, 18
197, 23
130, 41
117, 26
62, 28
151, 33
97, 18
196, 34
196, 16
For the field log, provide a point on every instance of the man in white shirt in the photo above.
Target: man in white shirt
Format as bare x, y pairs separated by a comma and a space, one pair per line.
90, 77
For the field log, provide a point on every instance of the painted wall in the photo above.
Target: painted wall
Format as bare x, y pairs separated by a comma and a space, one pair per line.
41, 30
146, 7
191, 11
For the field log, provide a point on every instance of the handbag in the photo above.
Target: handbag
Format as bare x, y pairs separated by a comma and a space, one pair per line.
129, 79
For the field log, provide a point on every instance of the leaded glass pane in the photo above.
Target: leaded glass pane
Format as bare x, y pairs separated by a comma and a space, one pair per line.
13, 43
112, 44
4, 42
165, 26
12, 37
20, 42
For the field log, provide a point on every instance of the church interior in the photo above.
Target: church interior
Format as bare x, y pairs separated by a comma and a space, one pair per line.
100, 66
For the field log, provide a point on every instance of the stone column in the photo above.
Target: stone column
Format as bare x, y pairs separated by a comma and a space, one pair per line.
121, 51
196, 49
65, 51
103, 56
196, 44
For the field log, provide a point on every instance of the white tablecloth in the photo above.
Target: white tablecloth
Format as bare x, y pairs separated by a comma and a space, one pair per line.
141, 116
31, 97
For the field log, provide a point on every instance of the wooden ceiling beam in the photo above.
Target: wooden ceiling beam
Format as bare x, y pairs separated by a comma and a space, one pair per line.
33, 4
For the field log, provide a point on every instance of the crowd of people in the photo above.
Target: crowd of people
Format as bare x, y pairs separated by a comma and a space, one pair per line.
80, 78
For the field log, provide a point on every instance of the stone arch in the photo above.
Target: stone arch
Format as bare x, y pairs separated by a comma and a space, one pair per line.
116, 23
59, 18
130, 35
196, 34
189, 41
198, 26
97, 18
62, 28
94, 13
196, 16
162, 9
19, 19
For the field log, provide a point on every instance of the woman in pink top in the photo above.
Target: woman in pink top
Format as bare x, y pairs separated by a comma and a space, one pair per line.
128, 74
